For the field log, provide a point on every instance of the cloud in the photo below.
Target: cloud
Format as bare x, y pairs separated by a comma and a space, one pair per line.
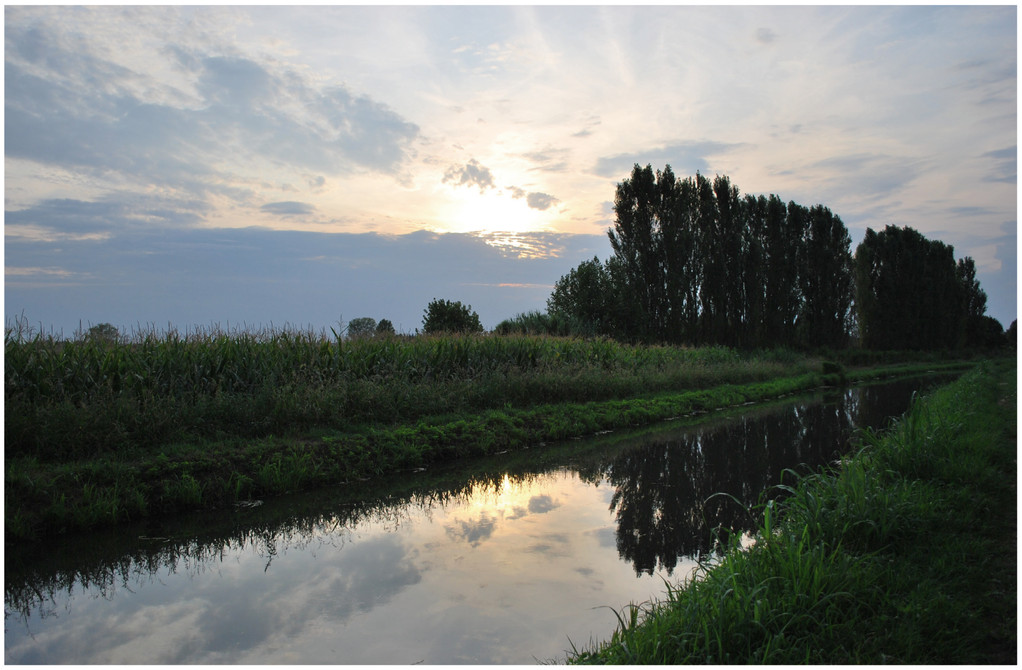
472, 531
258, 276
193, 120
289, 208
1006, 165
549, 159
765, 36
685, 158
870, 176
541, 201
542, 504
471, 174
68, 217
535, 200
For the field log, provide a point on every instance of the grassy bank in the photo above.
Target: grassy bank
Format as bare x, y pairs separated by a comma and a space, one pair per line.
906, 554
102, 432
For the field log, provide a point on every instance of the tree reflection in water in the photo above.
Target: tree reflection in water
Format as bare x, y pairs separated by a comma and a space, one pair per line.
665, 488
663, 500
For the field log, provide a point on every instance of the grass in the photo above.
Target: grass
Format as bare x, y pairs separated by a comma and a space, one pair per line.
904, 554
99, 432
85, 397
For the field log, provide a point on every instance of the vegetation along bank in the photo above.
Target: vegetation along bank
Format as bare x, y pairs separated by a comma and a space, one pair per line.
906, 553
102, 431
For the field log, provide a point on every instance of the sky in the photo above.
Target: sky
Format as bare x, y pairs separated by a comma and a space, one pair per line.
262, 167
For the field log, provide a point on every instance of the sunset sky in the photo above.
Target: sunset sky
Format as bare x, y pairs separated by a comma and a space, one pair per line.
266, 166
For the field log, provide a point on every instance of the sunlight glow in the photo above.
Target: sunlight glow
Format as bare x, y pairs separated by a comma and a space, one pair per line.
495, 211
502, 500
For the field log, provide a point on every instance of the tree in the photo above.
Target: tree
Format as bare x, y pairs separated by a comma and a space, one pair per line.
384, 328
989, 334
907, 292
103, 333
363, 326
696, 262
977, 332
444, 316
825, 281
729, 259
636, 240
584, 294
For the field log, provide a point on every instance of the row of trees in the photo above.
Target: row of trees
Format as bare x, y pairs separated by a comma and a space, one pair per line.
911, 294
440, 316
697, 263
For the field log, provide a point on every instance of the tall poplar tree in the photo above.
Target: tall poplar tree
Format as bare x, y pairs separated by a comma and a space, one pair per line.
908, 294
825, 280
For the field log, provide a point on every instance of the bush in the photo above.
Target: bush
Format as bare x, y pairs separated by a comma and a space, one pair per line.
538, 323
444, 316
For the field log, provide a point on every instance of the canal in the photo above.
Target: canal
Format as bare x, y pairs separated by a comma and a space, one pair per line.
507, 560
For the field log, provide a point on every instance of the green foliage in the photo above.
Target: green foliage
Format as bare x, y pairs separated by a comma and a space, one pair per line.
861, 564
910, 294
696, 262
538, 323
384, 328
363, 326
584, 296
102, 333
444, 316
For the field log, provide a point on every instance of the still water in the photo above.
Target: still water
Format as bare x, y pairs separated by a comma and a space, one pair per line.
510, 561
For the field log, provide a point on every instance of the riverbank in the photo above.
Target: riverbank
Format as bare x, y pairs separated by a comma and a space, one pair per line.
51, 495
905, 555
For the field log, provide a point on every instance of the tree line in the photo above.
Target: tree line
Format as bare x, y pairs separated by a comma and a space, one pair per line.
695, 262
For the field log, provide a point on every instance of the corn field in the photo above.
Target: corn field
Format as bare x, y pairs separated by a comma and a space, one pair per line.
87, 394
47, 370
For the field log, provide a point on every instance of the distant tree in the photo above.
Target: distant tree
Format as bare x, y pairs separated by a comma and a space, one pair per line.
696, 262
977, 331
103, 332
989, 334
781, 238
1012, 334
727, 257
363, 326
385, 327
907, 292
584, 294
538, 323
636, 241
825, 281
444, 316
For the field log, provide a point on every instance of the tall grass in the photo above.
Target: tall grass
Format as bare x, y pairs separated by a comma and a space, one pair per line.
83, 396
897, 556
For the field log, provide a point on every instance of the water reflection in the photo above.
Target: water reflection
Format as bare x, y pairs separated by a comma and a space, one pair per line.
497, 566
664, 496
673, 490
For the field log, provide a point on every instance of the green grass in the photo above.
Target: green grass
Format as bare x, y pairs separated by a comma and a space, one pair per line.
101, 432
904, 554
66, 399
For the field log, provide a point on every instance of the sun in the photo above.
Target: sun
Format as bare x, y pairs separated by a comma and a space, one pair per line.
494, 211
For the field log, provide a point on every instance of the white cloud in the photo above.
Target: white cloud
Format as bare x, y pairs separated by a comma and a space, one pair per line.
167, 118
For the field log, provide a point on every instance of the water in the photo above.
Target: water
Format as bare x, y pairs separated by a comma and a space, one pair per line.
510, 560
